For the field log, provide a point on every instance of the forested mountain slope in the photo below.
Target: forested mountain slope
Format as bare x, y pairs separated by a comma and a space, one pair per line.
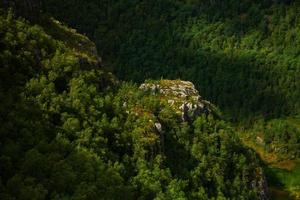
242, 55
70, 130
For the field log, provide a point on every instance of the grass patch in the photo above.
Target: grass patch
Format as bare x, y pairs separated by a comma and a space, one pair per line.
284, 182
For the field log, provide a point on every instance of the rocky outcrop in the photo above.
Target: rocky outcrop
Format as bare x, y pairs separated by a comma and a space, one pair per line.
182, 96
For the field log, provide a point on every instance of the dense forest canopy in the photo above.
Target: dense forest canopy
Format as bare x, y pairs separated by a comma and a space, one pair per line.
242, 55
65, 133
77, 126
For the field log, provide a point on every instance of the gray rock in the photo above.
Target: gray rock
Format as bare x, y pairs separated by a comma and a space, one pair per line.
158, 127
183, 93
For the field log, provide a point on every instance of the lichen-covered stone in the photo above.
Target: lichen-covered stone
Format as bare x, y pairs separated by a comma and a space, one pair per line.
180, 95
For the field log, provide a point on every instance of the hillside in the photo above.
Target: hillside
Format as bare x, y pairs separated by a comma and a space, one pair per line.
241, 55
189, 99
70, 130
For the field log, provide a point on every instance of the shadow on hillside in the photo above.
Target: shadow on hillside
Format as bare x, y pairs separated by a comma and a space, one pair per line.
144, 39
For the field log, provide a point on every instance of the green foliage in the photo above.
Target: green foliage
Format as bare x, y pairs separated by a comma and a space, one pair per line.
206, 160
243, 56
69, 132
45, 101
286, 179
280, 136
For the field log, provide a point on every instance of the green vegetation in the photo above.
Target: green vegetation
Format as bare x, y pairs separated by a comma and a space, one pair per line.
285, 179
278, 136
243, 56
277, 143
69, 130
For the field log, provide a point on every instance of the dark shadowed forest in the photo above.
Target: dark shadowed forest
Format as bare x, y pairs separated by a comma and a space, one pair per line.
161, 99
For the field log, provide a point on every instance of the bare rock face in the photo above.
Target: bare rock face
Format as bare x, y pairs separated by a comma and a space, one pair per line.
180, 95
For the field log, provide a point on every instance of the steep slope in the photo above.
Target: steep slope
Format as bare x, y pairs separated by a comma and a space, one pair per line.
241, 55
69, 130
42, 99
